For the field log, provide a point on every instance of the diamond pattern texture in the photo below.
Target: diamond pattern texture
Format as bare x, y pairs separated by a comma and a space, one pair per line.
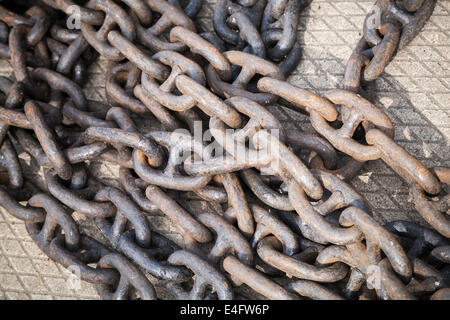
413, 90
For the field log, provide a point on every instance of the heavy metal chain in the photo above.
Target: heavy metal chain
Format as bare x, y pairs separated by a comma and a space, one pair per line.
281, 216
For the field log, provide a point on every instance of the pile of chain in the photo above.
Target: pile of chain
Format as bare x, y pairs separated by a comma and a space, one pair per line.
281, 216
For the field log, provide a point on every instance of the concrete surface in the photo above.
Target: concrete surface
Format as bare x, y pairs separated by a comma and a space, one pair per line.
414, 91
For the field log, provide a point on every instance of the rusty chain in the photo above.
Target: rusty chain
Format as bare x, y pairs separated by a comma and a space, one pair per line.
281, 216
